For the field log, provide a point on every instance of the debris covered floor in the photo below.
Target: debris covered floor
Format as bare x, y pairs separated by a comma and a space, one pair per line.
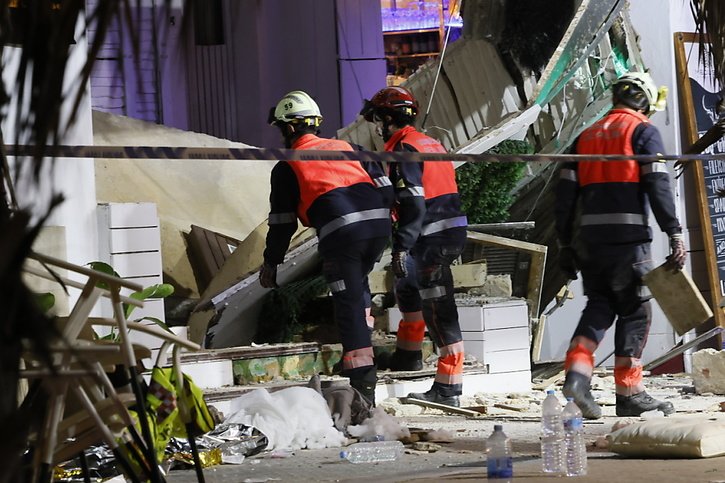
463, 458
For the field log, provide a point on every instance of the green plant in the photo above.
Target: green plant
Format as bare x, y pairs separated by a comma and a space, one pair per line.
159, 290
45, 301
485, 188
282, 310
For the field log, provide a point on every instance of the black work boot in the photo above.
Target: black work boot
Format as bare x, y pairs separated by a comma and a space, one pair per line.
401, 360
432, 395
640, 403
577, 386
366, 389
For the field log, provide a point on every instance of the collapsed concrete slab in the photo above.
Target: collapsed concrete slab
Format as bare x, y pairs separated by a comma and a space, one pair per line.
226, 196
228, 314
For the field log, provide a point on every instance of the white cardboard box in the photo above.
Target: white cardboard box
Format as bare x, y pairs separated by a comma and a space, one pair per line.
500, 315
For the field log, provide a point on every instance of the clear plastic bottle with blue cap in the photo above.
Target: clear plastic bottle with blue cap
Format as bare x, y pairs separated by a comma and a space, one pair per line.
576, 452
372, 452
552, 435
499, 457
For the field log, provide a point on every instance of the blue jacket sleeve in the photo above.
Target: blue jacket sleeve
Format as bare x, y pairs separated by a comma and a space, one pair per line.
407, 179
567, 193
283, 198
655, 179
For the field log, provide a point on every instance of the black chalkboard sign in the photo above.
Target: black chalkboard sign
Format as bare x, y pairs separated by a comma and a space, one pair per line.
705, 103
700, 98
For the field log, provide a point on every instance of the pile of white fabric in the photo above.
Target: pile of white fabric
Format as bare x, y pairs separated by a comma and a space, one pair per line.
292, 418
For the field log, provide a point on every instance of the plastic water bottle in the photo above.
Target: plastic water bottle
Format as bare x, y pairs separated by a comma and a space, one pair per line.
372, 452
576, 452
499, 460
552, 435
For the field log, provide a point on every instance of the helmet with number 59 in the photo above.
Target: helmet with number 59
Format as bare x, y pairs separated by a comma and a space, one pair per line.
296, 107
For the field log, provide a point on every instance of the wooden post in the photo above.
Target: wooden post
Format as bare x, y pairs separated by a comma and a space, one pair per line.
691, 135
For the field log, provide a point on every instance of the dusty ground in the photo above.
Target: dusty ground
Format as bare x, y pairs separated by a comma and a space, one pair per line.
463, 458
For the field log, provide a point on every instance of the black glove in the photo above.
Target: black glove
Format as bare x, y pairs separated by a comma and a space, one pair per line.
399, 266
678, 254
567, 262
268, 276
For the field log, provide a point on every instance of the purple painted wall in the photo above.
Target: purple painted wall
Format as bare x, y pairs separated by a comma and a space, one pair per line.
332, 49
144, 86
361, 52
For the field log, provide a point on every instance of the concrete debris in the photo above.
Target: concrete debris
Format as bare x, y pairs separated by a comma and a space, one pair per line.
495, 286
511, 407
708, 371
426, 446
394, 407
440, 436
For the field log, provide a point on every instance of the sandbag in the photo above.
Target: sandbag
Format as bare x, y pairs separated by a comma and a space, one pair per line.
670, 438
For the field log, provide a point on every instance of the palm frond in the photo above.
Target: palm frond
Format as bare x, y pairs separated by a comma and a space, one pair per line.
709, 19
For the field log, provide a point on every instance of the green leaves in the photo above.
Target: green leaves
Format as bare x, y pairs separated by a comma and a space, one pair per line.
485, 187
45, 301
157, 291
103, 268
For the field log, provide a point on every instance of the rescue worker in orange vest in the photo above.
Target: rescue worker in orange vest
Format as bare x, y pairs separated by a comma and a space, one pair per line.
338, 199
613, 244
430, 235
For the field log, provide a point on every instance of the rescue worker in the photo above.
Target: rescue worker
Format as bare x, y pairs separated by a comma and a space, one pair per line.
613, 243
430, 235
338, 199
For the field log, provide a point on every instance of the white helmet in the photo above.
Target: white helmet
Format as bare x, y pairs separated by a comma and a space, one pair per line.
645, 95
296, 106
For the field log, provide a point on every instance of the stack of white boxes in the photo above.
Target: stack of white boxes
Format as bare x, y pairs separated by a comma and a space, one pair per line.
130, 241
497, 334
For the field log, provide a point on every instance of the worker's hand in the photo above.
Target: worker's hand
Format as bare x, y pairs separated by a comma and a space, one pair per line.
268, 276
399, 266
678, 254
567, 262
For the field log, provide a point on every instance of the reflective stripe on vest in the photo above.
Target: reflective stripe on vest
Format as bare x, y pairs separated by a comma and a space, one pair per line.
610, 135
315, 178
350, 218
614, 219
439, 177
442, 225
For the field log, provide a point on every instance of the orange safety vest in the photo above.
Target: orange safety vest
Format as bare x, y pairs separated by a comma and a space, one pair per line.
439, 177
610, 135
315, 178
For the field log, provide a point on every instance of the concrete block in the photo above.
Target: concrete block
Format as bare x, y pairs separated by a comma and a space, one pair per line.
708, 371
494, 286
500, 315
464, 276
469, 275
380, 282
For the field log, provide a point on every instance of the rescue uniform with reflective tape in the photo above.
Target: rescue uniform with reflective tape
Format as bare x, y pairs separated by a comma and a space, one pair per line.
432, 228
613, 249
338, 199
379, 174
